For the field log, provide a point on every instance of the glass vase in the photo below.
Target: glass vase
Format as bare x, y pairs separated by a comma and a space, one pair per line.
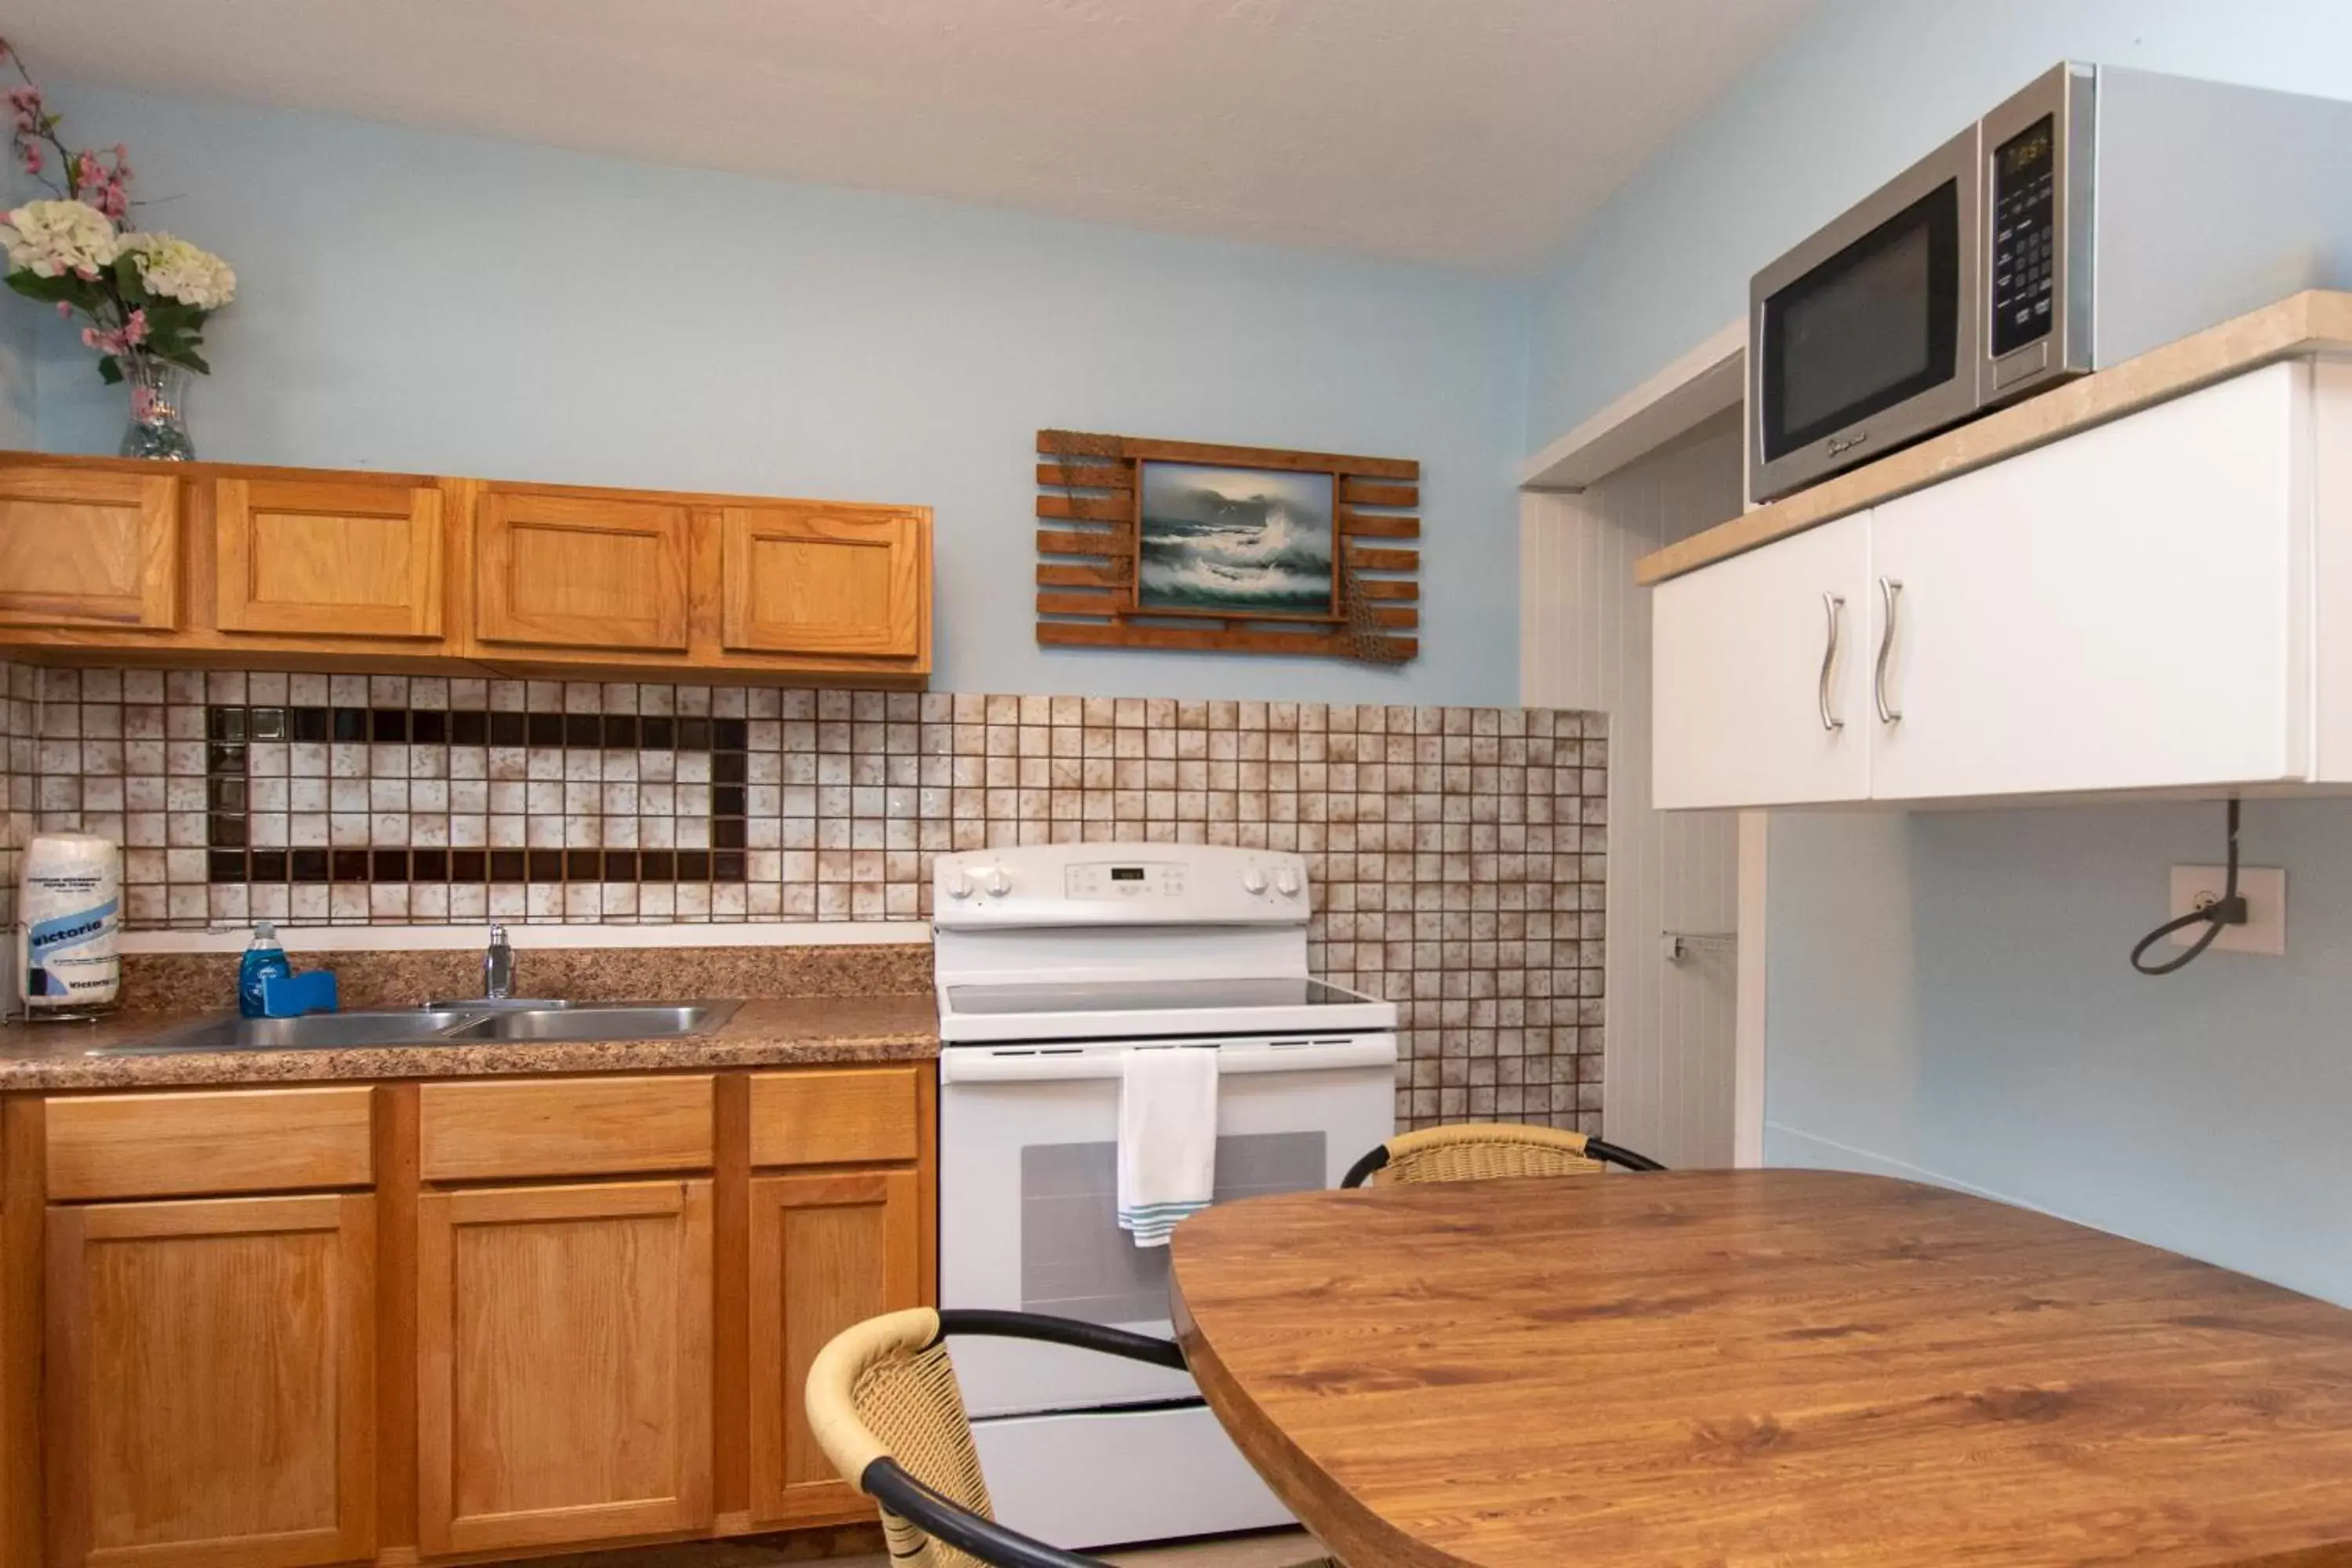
158, 426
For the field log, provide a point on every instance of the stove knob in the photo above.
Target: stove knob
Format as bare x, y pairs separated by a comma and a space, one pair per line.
995, 881
1253, 881
1286, 882
959, 885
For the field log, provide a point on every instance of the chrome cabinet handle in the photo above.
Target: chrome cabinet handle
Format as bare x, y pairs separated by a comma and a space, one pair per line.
1891, 592
1831, 605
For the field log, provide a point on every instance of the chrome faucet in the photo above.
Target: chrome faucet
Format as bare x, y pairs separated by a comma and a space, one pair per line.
498, 965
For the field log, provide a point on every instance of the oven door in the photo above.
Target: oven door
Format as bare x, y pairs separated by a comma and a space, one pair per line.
1865, 337
1028, 1193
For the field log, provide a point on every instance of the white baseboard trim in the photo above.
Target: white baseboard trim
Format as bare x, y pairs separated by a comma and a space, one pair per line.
545, 935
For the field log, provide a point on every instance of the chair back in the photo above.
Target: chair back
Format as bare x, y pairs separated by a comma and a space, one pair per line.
886, 1389
1478, 1152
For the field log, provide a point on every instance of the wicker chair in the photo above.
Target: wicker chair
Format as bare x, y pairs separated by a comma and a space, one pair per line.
884, 1406
1477, 1152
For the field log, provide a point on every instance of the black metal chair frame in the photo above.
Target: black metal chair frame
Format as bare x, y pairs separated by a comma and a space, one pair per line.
1376, 1159
888, 1482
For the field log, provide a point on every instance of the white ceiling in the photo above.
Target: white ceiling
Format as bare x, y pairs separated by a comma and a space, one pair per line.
1467, 133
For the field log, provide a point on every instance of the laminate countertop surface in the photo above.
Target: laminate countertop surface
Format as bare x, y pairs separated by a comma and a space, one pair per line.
792, 1031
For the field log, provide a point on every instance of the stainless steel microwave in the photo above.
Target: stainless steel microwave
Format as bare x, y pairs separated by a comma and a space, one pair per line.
2097, 214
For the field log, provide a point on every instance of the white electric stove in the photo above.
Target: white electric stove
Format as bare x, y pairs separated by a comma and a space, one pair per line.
1053, 962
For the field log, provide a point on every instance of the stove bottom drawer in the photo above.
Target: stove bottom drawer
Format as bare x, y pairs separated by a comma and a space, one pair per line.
1149, 1475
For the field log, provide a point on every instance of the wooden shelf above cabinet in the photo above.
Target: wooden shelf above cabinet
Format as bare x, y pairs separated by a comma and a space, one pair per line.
230, 564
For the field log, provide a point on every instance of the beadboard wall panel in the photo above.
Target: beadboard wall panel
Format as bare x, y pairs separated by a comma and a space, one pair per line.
1585, 645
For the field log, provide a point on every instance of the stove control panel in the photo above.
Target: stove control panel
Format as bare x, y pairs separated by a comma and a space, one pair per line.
1130, 881
1119, 884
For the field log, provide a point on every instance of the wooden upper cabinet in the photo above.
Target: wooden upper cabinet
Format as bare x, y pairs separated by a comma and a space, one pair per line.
563, 1342
580, 570
334, 556
211, 1383
804, 577
89, 547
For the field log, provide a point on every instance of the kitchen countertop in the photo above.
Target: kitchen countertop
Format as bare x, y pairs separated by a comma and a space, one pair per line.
794, 1031
2317, 321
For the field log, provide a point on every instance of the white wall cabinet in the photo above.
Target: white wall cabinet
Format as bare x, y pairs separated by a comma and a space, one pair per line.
2134, 607
1760, 675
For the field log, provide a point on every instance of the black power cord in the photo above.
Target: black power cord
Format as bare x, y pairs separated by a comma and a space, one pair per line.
2229, 910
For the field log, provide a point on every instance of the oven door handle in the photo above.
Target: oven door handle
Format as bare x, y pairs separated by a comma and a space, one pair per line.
1043, 1064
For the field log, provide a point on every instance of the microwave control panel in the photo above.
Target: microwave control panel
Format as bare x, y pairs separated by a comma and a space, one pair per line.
2024, 236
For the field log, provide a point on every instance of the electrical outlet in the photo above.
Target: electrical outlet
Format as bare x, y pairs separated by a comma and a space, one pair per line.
2264, 890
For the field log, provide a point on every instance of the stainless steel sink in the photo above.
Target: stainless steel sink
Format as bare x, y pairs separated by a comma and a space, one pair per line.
599, 1021
439, 1025
315, 1032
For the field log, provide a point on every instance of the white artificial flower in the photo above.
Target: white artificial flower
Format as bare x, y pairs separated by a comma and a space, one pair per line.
173, 268
50, 239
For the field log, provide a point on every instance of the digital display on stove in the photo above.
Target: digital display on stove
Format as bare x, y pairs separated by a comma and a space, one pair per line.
1126, 873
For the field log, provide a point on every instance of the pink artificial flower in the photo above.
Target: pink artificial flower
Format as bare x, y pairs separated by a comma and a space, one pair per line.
33, 160
103, 188
142, 401
134, 329
65, 308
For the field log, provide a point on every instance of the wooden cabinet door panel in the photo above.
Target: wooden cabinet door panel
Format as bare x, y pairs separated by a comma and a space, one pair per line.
580, 572
328, 557
88, 548
564, 1372
211, 1389
827, 1251
813, 580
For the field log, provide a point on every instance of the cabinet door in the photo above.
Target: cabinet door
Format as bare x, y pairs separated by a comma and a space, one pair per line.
571, 570
563, 1351
827, 1250
211, 1397
816, 580
95, 547
328, 557
2120, 609
1759, 675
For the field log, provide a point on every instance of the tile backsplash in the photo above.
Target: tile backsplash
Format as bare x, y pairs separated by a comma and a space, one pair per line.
1458, 852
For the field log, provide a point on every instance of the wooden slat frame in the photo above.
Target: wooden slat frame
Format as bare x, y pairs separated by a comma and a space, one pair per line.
1086, 543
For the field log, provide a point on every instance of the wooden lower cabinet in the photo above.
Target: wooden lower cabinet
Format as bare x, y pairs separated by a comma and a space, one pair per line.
828, 1249
543, 1314
211, 1383
563, 1363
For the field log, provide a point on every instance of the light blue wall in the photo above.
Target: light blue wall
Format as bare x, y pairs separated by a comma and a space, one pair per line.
1948, 993
424, 301
1949, 998
1860, 90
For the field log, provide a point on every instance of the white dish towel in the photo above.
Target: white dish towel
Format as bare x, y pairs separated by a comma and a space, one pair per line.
1167, 1139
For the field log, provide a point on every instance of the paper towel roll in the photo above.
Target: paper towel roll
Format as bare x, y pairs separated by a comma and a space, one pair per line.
69, 912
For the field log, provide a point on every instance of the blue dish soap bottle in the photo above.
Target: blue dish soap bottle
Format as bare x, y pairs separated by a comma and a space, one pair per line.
263, 959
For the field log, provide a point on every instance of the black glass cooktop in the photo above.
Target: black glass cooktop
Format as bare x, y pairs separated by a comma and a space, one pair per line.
1146, 997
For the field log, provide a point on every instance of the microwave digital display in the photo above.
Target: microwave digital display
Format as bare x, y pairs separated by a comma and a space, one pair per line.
1126, 873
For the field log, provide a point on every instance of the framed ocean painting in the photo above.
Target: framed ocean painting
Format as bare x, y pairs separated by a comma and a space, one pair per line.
1239, 542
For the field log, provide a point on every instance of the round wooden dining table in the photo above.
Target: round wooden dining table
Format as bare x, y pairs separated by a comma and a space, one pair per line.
1760, 1367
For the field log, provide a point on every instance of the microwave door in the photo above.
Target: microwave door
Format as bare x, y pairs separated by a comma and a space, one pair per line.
1864, 338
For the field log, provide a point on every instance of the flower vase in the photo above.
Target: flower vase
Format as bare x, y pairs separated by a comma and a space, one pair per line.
158, 426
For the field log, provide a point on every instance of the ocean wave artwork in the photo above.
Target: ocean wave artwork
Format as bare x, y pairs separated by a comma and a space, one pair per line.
1235, 542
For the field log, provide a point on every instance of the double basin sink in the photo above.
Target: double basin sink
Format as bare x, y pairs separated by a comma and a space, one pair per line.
472, 1023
